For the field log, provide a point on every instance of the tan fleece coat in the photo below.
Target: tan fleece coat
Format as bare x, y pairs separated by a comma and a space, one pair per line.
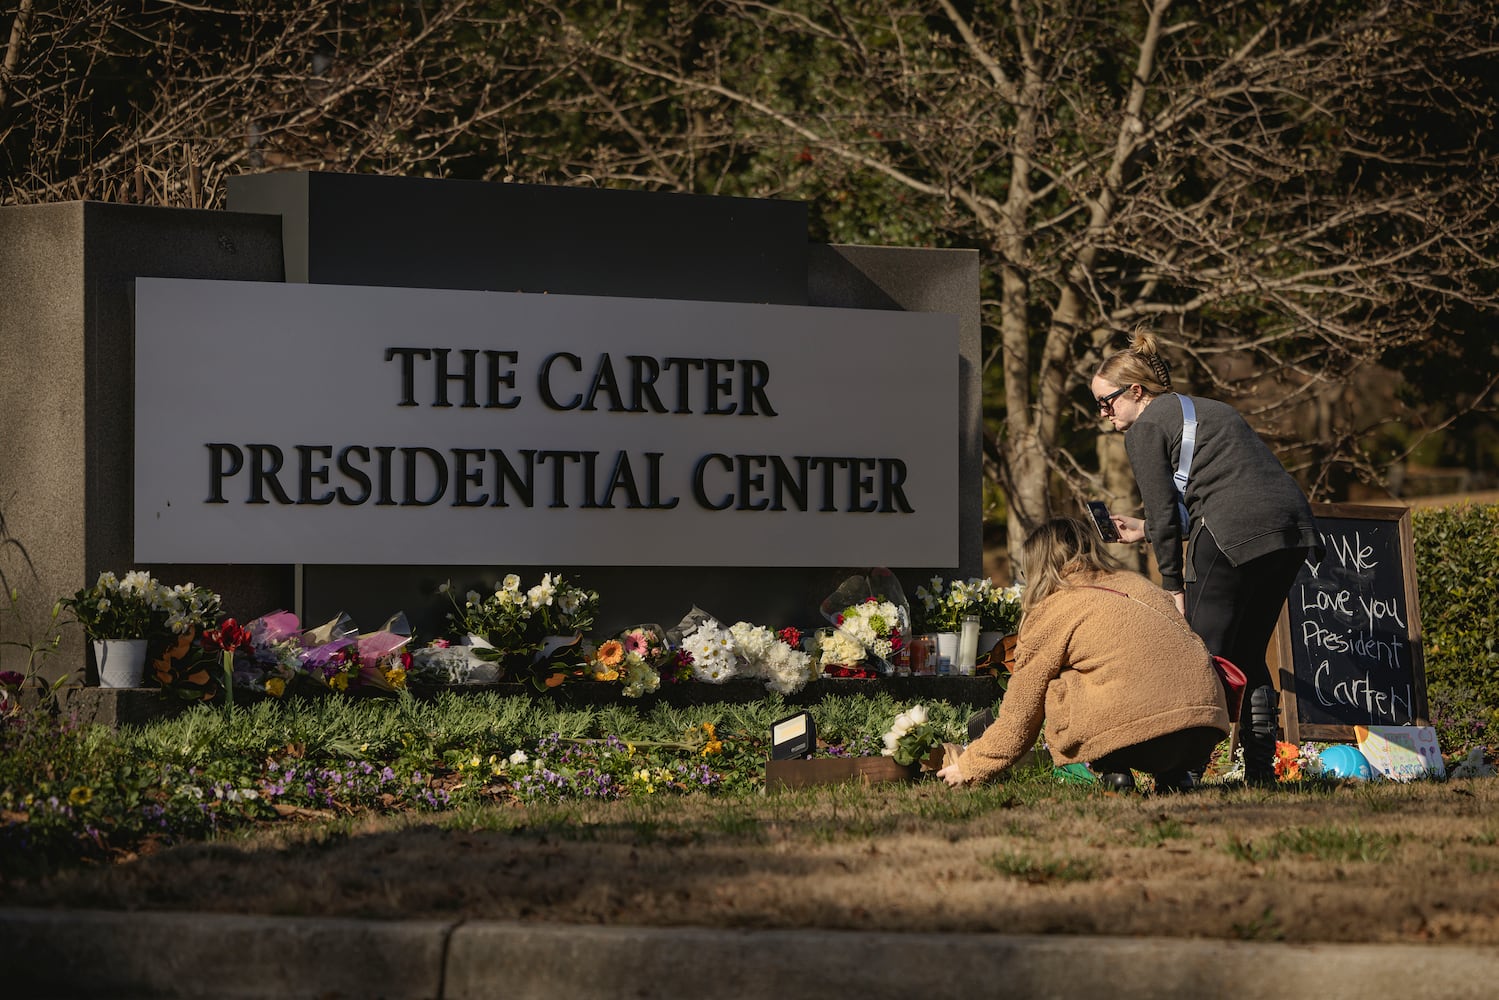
1106, 669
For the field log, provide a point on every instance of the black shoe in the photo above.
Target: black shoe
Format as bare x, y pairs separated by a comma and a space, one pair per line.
1117, 781
1171, 782
1259, 736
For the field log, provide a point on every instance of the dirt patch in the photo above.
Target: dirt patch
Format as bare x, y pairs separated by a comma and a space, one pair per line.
1350, 863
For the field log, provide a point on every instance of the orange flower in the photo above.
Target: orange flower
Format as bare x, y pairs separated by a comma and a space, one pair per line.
612, 653
1287, 761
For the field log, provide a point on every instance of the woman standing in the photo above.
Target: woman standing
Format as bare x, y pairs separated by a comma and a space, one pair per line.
1245, 522
1106, 659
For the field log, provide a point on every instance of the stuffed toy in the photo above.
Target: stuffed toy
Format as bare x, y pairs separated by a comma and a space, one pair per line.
1472, 766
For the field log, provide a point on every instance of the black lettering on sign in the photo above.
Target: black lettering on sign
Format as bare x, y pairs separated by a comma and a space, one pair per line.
1351, 631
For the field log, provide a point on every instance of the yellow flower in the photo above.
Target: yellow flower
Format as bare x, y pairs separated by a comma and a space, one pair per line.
712, 747
81, 795
275, 687
396, 677
339, 682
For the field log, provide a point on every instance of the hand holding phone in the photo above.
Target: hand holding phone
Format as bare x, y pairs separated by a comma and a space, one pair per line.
1103, 521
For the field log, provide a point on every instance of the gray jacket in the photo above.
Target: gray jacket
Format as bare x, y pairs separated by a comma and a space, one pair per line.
1238, 490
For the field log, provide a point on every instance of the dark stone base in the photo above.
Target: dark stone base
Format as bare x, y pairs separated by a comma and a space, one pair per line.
115, 707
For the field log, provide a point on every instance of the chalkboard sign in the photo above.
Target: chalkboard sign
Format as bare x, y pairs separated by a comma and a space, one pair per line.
1349, 639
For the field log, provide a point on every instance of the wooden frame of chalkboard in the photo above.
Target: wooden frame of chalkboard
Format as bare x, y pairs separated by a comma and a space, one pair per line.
1348, 646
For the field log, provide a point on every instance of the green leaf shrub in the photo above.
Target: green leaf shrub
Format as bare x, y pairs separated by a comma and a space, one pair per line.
70, 792
1457, 580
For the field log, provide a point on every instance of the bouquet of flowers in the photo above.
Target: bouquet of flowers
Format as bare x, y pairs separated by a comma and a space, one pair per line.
443, 662
532, 632
338, 658
634, 659
911, 737
1296, 763
714, 654
776, 657
708, 648
267, 655
871, 621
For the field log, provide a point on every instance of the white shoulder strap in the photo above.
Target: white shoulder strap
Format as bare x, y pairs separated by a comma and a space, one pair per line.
1184, 463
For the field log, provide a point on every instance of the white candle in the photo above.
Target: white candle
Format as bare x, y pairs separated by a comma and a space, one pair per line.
968, 646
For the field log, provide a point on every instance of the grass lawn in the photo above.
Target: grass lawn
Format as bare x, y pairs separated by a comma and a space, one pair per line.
1304, 862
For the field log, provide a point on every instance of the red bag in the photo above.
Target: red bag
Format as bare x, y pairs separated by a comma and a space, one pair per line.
1234, 683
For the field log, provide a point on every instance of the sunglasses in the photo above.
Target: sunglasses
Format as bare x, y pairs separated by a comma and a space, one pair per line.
1106, 403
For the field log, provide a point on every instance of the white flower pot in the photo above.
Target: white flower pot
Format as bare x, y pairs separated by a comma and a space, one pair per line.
122, 662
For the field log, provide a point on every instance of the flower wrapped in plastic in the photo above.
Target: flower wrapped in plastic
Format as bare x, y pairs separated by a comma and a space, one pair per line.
272, 659
707, 647
870, 618
776, 657
324, 657
634, 659
714, 653
454, 662
369, 661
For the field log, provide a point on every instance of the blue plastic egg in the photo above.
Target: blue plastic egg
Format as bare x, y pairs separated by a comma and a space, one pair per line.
1343, 761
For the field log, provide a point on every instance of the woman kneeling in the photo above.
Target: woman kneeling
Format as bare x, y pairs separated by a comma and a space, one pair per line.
1108, 661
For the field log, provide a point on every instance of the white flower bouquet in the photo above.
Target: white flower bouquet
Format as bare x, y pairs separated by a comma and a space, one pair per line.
715, 653
871, 621
911, 737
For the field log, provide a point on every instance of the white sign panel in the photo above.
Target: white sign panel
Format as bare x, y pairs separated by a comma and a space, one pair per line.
324, 424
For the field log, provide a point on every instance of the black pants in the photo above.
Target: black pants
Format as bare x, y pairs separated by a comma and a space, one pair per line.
1234, 608
1169, 754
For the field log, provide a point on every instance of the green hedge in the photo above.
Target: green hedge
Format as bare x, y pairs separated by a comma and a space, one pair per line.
1457, 580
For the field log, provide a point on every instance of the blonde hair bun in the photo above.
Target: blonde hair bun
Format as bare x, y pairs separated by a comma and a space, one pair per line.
1143, 342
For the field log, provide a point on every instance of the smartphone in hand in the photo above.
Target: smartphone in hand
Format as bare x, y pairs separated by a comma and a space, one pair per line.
1103, 520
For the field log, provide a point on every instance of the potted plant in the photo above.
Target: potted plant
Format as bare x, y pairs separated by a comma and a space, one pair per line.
999, 613
123, 615
533, 633
944, 604
941, 609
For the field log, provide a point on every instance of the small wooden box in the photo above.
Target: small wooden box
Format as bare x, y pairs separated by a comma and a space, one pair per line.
781, 774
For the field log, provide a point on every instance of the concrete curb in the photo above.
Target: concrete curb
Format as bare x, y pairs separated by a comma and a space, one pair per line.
59, 953
88, 953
